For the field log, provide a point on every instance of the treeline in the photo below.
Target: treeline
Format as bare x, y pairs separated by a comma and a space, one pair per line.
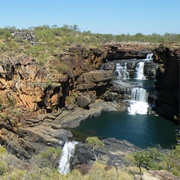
72, 34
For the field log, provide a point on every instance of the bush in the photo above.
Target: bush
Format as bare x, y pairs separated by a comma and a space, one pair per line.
47, 158
5, 33
94, 142
14, 175
2, 150
149, 158
3, 168
171, 161
42, 174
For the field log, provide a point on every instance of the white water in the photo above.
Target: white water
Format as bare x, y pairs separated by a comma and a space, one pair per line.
149, 57
139, 71
138, 104
121, 71
67, 153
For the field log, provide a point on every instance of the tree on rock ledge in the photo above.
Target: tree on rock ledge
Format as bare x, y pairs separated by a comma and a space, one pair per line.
94, 142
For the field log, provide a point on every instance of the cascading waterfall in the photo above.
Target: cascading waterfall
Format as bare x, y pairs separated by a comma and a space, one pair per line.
149, 57
138, 103
139, 71
67, 153
121, 71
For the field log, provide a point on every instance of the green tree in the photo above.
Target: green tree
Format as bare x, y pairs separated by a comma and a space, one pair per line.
148, 158
172, 161
5, 33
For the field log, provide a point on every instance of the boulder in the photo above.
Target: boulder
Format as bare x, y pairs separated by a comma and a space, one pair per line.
83, 101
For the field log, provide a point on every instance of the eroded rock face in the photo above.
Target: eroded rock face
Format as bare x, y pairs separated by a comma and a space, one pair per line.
18, 80
167, 81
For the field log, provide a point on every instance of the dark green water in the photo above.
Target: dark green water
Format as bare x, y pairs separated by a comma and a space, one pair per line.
141, 130
147, 84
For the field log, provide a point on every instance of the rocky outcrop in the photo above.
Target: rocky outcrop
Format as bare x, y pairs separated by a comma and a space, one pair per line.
83, 155
20, 35
22, 82
48, 129
127, 51
111, 154
150, 69
167, 81
114, 151
94, 84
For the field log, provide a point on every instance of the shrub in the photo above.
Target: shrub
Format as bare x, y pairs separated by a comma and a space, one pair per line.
14, 175
47, 158
149, 158
2, 150
94, 142
171, 161
42, 174
5, 33
3, 168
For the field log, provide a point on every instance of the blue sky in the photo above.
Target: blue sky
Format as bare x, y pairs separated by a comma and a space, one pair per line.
98, 16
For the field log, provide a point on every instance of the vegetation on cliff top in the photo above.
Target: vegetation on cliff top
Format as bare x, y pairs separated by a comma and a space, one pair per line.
51, 46
43, 41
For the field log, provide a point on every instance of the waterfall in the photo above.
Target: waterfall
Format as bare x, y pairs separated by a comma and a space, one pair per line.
139, 94
139, 71
138, 103
149, 57
67, 153
121, 71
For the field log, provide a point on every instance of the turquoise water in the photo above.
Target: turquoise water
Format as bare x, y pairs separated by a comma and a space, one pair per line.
141, 130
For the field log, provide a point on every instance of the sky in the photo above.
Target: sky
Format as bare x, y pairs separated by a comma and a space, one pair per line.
98, 16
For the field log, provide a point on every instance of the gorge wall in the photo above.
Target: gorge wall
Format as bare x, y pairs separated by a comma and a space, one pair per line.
167, 80
39, 100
